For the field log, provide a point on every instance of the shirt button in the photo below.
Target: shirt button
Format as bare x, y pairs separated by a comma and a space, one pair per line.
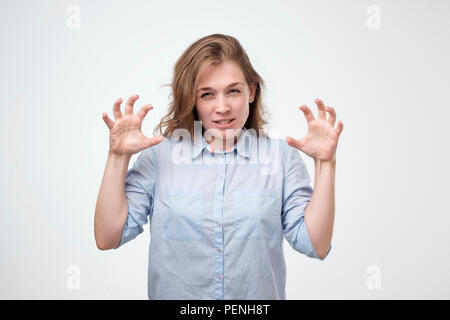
218, 249
218, 223
218, 276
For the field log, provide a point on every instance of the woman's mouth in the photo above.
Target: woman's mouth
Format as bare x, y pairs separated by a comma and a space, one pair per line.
225, 123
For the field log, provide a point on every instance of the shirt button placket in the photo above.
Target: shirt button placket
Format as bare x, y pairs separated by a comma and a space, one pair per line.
220, 181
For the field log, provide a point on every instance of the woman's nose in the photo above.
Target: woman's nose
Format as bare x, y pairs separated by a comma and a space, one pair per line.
221, 104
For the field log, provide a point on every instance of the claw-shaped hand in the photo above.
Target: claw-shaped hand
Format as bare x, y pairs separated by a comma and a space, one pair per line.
322, 138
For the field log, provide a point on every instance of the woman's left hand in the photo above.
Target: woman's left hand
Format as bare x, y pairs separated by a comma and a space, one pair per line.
321, 141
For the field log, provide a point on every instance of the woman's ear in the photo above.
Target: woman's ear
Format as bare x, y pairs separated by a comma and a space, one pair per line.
252, 92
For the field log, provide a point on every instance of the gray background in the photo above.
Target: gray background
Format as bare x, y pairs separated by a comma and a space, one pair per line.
388, 85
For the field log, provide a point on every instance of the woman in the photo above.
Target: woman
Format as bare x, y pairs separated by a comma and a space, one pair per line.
219, 204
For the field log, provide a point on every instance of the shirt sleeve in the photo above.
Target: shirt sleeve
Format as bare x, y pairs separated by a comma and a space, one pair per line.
139, 191
297, 193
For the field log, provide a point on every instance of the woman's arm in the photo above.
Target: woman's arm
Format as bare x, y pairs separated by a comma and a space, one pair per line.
125, 139
112, 208
319, 214
320, 144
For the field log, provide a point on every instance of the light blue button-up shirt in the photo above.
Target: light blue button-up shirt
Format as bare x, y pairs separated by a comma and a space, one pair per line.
217, 219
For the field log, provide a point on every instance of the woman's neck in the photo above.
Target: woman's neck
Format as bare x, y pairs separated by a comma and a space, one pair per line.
223, 144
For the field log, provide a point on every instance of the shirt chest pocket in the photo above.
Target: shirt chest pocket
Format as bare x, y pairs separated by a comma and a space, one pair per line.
257, 214
181, 213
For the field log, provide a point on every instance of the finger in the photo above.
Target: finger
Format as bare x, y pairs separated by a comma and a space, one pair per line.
321, 107
339, 128
154, 141
107, 120
130, 102
116, 109
144, 110
332, 117
308, 114
295, 143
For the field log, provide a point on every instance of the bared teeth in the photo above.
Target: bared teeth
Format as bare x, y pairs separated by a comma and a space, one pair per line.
224, 122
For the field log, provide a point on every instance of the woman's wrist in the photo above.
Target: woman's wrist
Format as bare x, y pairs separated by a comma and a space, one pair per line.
116, 156
325, 162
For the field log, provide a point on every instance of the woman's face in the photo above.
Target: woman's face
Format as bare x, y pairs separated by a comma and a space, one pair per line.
223, 94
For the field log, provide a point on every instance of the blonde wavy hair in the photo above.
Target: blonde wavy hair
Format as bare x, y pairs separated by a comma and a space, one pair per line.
211, 49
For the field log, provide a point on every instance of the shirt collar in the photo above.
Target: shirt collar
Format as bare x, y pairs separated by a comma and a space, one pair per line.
240, 145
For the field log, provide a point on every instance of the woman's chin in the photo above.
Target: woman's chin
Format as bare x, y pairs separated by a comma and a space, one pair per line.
225, 134
229, 133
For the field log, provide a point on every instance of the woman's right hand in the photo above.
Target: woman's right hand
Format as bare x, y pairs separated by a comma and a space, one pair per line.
125, 135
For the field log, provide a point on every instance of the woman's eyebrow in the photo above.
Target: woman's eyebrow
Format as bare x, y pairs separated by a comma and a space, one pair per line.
230, 85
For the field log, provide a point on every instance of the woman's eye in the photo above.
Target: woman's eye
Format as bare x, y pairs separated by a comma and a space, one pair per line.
208, 93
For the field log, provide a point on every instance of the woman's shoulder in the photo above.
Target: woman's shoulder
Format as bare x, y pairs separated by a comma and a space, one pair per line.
157, 150
276, 143
161, 150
